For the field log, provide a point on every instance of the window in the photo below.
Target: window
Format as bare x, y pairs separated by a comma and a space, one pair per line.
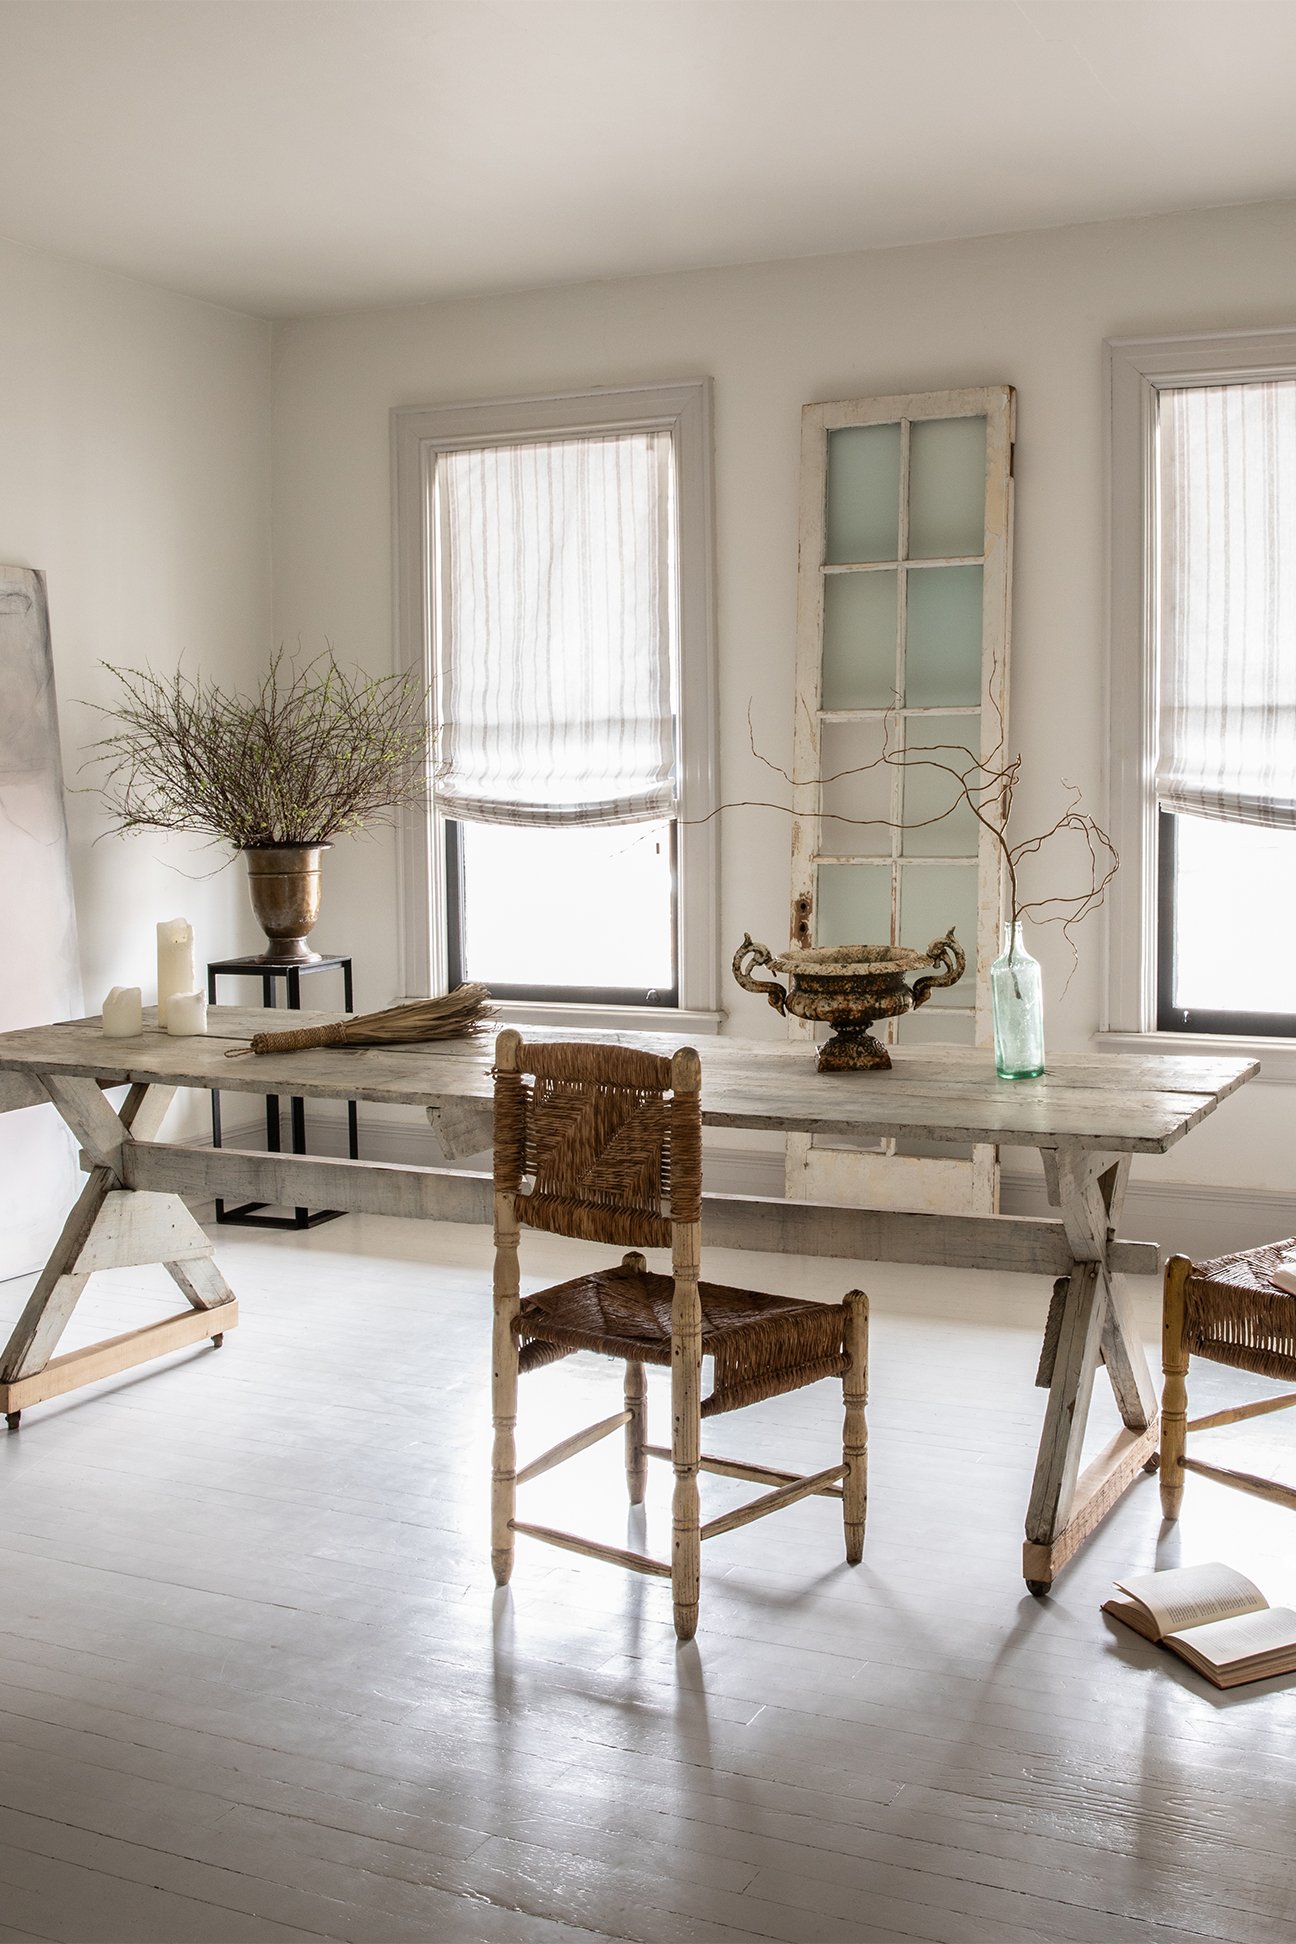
1203, 683
554, 565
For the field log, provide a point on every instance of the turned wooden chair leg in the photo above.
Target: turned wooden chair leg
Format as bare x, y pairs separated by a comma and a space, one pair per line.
686, 1433
636, 1402
1174, 1399
636, 1431
855, 1429
504, 1389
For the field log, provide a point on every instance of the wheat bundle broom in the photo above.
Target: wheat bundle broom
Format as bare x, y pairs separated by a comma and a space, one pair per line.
460, 1014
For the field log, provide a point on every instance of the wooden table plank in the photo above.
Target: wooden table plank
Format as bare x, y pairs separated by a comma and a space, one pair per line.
1141, 1106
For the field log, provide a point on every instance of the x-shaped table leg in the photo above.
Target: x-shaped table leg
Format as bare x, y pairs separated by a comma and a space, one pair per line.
1091, 1319
111, 1227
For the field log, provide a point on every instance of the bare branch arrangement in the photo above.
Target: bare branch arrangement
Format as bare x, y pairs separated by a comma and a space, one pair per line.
304, 760
987, 785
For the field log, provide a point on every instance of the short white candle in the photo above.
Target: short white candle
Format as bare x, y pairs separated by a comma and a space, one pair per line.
175, 952
123, 1013
186, 1014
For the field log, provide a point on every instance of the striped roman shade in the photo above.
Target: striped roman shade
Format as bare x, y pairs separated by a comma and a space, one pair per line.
1228, 602
555, 691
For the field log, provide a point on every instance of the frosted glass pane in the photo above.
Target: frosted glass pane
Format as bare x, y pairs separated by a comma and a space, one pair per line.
942, 636
928, 1028
856, 785
947, 462
932, 898
859, 641
854, 904
863, 510
936, 745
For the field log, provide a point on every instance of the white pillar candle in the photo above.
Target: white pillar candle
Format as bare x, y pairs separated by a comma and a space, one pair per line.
123, 1013
176, 972
186, 1014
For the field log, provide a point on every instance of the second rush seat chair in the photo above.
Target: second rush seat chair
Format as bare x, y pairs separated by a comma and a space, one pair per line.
604, 1143
1229, 1312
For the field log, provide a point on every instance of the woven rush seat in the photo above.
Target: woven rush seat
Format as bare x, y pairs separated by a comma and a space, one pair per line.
1230, 1312
762, 1345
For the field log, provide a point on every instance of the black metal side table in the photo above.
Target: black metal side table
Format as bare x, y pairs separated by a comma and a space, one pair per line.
268, 972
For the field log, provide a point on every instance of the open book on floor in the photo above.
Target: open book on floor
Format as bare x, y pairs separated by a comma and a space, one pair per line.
1212, 1617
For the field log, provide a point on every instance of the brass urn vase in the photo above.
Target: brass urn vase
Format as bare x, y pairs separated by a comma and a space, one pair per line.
849, 986
284, 885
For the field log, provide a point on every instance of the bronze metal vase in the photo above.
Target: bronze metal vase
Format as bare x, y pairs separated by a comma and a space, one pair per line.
284, 885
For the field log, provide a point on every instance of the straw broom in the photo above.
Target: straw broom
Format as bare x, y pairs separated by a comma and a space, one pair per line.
461, 1014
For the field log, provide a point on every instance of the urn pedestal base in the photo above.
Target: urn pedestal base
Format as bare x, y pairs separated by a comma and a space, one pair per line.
852, 1049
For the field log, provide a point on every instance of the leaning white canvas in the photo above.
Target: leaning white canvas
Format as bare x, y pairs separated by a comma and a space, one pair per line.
40, 974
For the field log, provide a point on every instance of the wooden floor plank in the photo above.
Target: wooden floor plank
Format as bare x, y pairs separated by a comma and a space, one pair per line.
283, 1685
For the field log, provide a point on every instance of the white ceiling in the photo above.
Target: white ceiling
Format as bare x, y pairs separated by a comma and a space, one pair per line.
291, 156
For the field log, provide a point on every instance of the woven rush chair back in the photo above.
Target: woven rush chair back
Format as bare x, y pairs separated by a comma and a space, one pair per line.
609, 1138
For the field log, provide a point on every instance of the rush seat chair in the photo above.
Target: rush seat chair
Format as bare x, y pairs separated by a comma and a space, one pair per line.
604, 1143
1229, 1312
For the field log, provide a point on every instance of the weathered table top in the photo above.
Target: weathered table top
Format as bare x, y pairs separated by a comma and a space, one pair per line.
1111, 1102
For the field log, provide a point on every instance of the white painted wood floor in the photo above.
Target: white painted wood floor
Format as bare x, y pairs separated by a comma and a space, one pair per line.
255, 1682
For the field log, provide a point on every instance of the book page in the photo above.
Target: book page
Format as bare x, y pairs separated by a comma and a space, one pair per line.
1223, 1643
1134, 1614
1193, 1596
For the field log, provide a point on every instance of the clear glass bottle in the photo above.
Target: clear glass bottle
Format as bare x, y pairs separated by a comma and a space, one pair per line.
1017, 1000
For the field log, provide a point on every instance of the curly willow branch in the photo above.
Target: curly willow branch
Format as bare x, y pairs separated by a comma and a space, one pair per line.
987, 786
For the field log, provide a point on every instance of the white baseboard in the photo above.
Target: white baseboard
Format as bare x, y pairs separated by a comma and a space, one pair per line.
1197, 1219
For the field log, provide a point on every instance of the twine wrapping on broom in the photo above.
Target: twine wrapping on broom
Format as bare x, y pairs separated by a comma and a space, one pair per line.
460, 1014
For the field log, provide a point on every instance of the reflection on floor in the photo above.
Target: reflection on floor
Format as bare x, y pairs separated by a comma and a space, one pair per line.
256, 1683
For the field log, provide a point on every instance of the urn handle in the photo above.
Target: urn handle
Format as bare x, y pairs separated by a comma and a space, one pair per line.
948, 953
758, 955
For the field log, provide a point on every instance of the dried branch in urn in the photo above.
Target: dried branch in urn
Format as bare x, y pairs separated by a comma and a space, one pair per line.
302, 762
987, 786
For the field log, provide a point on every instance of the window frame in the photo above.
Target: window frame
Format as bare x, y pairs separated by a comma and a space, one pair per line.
418, 433
966, 1184
1139, 369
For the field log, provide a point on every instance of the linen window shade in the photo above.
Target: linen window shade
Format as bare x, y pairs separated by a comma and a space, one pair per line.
1228, 602
555, 676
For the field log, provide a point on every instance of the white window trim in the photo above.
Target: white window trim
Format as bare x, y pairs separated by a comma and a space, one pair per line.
684, 409
1138, 369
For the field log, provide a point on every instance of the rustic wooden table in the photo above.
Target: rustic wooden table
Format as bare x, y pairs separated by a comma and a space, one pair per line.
1087, 1115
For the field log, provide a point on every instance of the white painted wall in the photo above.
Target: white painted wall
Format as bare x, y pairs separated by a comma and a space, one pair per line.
1030, 309
135, 470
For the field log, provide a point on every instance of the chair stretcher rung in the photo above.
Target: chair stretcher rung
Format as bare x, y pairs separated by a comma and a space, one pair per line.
773, 1501
1241, 1411
1265, 1488
734, 1468
579, 1441
637, 1562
